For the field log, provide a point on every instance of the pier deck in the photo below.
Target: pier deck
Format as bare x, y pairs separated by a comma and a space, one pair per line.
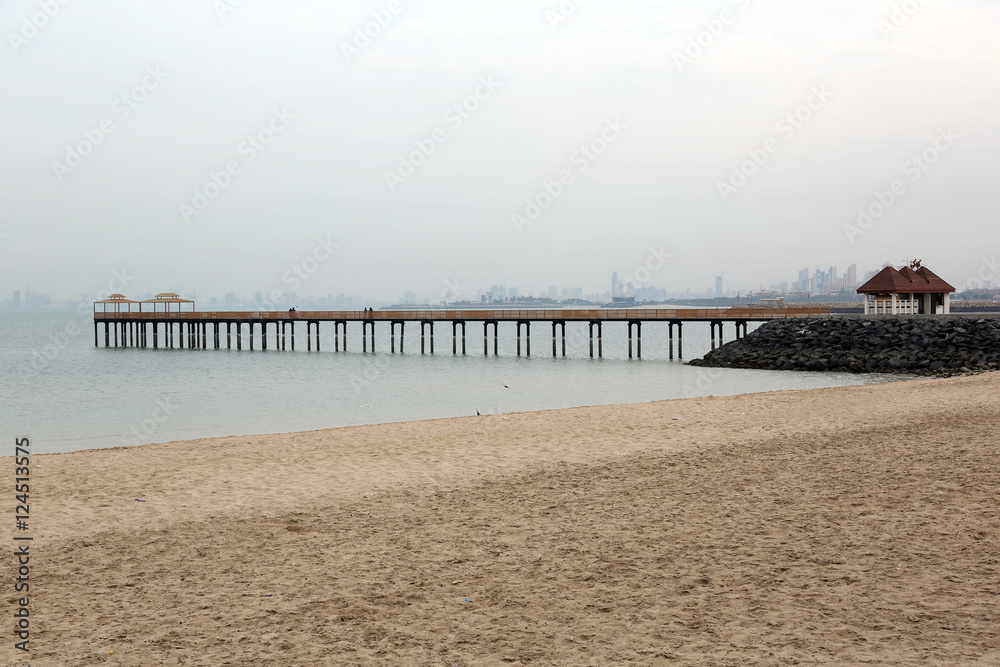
132, 328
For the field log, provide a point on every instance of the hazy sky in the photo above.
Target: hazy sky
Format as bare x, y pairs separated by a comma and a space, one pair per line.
736, 136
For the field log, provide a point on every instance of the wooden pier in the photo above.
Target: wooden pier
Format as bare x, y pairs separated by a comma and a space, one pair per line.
203, 330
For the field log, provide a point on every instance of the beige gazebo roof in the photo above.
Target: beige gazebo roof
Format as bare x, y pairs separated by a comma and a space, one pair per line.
167, 297
117, 298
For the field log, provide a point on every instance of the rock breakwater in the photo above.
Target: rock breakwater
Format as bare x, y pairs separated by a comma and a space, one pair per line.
919, 345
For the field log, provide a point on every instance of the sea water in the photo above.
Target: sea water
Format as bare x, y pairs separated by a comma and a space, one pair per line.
64, 393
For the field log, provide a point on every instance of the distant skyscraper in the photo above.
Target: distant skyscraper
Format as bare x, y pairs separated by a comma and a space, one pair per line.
718, 286
17, 299
614, 284
852, 276
230, 300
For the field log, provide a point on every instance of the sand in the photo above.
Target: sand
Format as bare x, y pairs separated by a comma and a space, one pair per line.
836, 526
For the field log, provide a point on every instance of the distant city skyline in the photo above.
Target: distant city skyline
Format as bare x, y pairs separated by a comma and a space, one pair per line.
814, 282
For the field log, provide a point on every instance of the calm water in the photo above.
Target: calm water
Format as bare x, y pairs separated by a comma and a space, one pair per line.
64, 393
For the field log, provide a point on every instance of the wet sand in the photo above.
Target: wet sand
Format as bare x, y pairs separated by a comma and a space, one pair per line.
834, 526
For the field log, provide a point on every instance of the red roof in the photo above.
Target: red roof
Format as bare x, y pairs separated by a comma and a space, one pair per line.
905, 281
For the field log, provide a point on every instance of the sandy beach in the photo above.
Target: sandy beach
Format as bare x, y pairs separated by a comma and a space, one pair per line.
835, 526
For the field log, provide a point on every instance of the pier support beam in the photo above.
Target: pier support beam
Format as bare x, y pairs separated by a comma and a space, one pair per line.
600, 342
345, 339
555, 326
336, 336
680, 340
392, 335
229, 335
309, 340
486, 337
527, 337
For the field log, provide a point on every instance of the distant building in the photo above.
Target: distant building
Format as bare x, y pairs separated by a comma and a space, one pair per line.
718, 287
614, 284
851, 279
16, 303
912, 290
230, 302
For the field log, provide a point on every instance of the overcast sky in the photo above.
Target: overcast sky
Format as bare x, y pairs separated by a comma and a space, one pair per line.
737, 136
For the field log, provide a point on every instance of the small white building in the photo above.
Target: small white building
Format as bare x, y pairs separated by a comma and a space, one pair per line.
912, 290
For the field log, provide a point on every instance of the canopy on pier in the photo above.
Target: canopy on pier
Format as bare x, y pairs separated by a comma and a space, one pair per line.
168, 298
119, 300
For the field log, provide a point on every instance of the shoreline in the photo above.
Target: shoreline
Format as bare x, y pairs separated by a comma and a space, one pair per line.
619, 526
